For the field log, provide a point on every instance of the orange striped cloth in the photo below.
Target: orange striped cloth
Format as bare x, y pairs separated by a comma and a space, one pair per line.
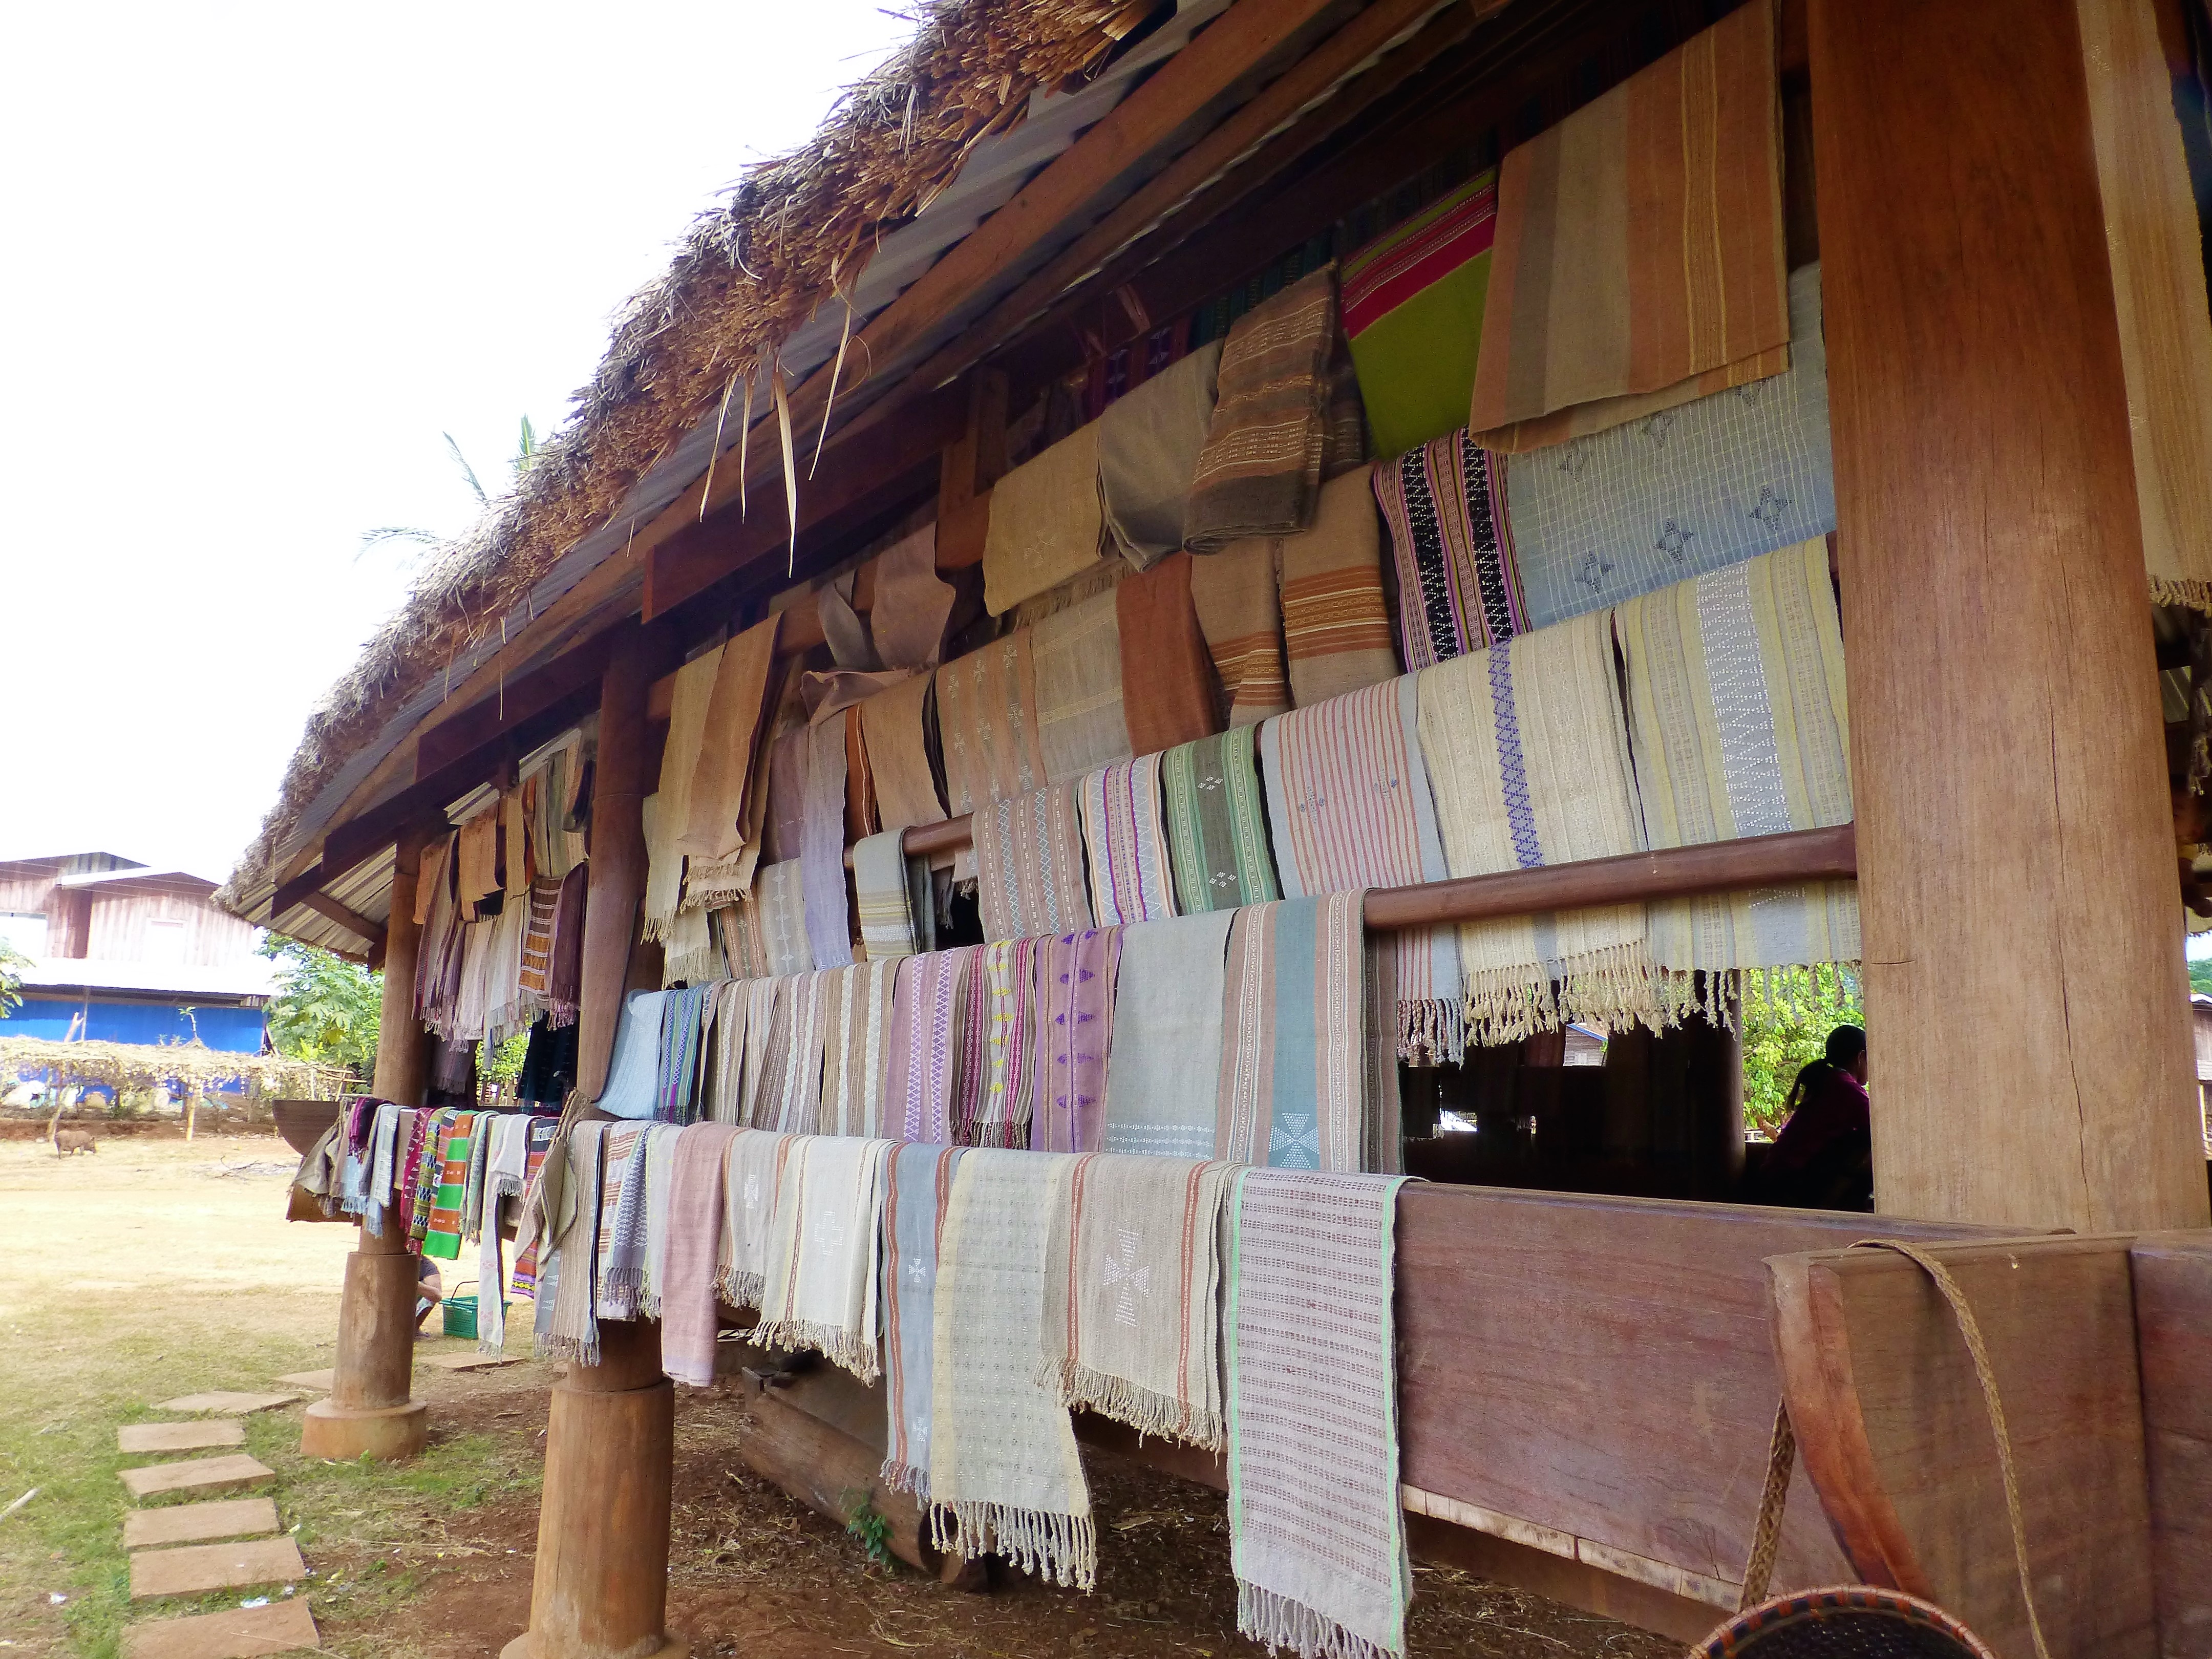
1639, 259
1240, 611
1336, 624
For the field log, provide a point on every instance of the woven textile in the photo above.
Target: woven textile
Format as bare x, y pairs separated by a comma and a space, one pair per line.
505, 1161
905, 632
1261, 465
822, 1257
660, 1140
534, 974
1412, 315
1317, 1536
722, 1060
1714, 482
751, 1175
695, 1241
779, 900
514, 844
1075, 975
1739, 726
567, 987
1125, 841
1459, 584
506, 1010
789, 753
1029, 863
1217, 824
856, 1047
679, 760
1292, 1090
476, 858
1077, 655
925, 1006
822, 854
684, 1028
1164, 1066
569, 1330
917, 1189
1336, 622
1237, 595
986, 717
883, 895
634, 1072
1529, 749
1046, 523
995, 1085
1148, 448
434, 873
802, 1012
622, 1221
541, 1133
760, 1096
689, 954
1348, 800
1169, 692
1005, 1475
1639, 259
1132, 1325
713, 829
448, 1206
894, 726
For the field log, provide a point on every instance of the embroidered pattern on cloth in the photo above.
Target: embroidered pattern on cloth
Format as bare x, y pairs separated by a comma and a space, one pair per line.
1217, 824
1005, 1474
442, 1237
987, 719
779, 900
1148, 447
1529, 749
880, 890
1075, 975
1262, 461
1348, 800
1294, 1068
1412, 315
1029, 863
1046, 524
1125, 839
1164, 1067
1459, 584
925, 1005
856, 1047
623, 1221
687, 732
994, 1088
1710, 483
750, 1177
1740, 727
695, 1241
1336, 624
1077, 655
1132, 1326
1236, 594
917, 1188
820, 1286
1316, 1538
1639, 256
684, 1029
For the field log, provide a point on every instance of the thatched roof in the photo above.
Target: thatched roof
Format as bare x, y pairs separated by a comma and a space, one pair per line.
794, 233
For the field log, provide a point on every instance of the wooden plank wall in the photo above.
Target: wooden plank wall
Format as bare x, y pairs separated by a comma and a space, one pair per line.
2173, 1342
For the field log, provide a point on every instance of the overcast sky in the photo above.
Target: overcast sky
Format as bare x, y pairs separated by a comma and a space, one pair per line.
259, 258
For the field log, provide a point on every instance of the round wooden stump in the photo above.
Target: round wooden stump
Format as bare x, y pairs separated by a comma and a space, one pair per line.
370, 1412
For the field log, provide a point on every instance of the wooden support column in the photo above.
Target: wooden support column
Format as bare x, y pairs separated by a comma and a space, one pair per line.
402, 1046
617, 854
2027, 1004
601, 1586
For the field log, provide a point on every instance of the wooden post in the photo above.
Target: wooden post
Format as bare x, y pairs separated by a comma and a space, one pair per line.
601, 1586
370, 1409
2026, 999
617, 861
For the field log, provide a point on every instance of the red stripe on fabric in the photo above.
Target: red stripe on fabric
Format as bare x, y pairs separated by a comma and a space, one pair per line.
1399, 273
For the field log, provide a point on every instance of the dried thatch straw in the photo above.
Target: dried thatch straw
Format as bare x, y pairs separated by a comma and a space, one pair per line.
147, 1064
794, 235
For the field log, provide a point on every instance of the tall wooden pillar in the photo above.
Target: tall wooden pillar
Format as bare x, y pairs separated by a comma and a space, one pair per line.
617, 854
371, 1410
2027, 1003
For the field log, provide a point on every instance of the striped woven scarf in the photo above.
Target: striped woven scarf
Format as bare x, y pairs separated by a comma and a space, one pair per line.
683, 1029
856, 1047
1294, 1063
994, 1089
620, 1257
884, 894
450, 1158
524, 1279
1125, 841
536, 980
917, 1187
1075, 977
1029, 863
926, 1006
1459, 587
1217, 824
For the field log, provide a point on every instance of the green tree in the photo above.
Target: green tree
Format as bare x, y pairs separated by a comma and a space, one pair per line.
1787, 1015
12, 964
501, 1063
327, 1010
2200, 977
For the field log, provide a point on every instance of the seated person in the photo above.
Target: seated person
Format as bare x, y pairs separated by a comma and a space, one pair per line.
1823, 1159
429, 1291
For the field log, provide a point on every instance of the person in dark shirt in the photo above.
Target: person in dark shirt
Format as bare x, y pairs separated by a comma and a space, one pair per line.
1823, 1159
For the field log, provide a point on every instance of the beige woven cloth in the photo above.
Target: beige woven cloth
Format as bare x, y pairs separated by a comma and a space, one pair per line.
1005, 1474
760, 1094
1079, 724
1132, 1299
664, 836
1238, 597
1148, 447
894, 729
722, 845
751, 1172
905, 631
1046, 525
820, 1286
856, 1047
986, 718
725, 1065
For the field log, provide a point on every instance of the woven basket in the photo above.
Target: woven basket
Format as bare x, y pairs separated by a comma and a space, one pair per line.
1850, 1621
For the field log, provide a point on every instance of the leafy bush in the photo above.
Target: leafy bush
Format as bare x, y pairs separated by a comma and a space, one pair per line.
328, 1010
1787, 1015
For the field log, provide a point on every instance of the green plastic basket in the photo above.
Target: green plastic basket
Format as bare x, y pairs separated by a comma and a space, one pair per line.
461, 1312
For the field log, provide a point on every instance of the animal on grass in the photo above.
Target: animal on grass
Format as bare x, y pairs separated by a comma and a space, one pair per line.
74, 1141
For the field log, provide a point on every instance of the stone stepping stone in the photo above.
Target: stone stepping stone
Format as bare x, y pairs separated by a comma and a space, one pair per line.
192, 1524
180, 1437
323, 1380
195, 1568
234, 1633
197, 1474
221, 1401
470, 1362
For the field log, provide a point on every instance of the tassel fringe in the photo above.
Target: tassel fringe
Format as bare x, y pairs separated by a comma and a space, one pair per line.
1143, 1409
909, 1477
847, 1350
1617, 986
1433, 1027
740, 1290
1275, 1619
1062, 1549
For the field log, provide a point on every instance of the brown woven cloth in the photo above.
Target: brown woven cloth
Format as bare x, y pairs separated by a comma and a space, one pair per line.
714, 826
1240, 613
987, 705
1336, 622
905, 631
1261, 467
894, 729
1169, 691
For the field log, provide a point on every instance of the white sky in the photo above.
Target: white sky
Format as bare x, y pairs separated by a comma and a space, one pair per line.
256, 258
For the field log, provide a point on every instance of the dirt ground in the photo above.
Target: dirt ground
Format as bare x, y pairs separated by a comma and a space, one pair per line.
153, 1268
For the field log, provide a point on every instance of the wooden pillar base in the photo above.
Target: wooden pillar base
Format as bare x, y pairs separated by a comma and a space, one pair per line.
386, 1433
600, 1587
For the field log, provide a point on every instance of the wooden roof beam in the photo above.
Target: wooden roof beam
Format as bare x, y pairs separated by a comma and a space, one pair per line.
353, 921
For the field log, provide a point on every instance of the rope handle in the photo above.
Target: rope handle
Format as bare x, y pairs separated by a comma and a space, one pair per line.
1782, 1450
